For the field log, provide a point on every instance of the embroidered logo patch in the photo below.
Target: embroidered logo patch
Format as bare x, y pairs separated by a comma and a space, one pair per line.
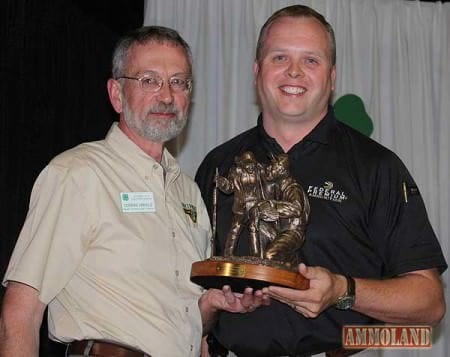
191, 211
327, 192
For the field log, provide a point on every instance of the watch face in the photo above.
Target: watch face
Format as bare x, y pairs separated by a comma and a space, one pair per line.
345, 303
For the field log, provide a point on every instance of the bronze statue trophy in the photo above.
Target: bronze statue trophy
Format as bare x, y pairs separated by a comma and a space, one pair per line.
275, 209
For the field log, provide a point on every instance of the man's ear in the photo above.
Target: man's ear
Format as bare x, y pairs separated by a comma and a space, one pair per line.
333, 78
115, 96
255, 70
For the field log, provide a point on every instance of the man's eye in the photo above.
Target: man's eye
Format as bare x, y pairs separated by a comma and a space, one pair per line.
177, 82
279, 58
311, 61
149, 81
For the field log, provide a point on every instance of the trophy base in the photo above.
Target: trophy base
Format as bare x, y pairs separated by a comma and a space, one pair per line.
242, 272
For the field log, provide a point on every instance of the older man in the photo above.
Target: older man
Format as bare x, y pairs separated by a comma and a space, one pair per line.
114, 227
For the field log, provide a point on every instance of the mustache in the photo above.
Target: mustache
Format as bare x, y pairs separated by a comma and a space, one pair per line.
163, 108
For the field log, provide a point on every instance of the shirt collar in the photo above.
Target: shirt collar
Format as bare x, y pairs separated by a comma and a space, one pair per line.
140, 160
321, 133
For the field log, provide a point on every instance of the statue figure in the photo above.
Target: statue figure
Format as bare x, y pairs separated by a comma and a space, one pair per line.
243, 180
278, 223
271, 203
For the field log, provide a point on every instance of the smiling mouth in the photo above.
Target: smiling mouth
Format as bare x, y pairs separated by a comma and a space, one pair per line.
295, 90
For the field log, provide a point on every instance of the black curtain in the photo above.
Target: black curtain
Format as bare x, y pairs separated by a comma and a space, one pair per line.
54, 63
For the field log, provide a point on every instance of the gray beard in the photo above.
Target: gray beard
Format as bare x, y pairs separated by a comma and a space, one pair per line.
156, 130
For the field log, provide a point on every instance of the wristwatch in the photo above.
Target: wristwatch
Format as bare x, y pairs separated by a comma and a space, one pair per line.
346, 301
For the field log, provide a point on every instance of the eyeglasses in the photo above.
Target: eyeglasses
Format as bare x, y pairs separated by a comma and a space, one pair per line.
152, 82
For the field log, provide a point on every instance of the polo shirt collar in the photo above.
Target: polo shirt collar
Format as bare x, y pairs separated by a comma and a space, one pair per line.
321, 134
141, 161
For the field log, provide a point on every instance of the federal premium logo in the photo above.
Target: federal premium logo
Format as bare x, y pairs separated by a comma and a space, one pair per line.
327, 192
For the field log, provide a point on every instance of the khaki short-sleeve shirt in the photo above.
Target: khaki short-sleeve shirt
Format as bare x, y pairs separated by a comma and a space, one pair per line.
108, 242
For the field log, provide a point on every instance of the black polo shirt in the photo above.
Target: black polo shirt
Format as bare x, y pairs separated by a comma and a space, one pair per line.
360, 224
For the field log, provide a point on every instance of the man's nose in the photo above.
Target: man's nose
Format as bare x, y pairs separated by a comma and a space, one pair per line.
295, 69
165, 93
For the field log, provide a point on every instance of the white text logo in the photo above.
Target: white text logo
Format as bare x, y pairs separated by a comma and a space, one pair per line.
327, 192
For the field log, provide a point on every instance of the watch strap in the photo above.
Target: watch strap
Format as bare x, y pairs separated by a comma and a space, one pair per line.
350, 286
346, 301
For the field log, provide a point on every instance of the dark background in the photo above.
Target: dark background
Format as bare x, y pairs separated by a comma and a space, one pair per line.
54, 63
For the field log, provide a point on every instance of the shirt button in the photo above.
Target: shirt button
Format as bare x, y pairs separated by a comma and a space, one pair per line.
186, 309
192, 348
177, 272
146, 177
173, 234
155, 166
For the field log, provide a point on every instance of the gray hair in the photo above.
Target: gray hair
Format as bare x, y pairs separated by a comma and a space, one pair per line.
142, 36
296, 11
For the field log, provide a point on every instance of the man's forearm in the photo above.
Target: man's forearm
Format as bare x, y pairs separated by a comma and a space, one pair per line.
20, 321
415, 297
18, 341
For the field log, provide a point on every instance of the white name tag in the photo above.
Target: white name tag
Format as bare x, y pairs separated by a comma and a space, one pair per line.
137, 202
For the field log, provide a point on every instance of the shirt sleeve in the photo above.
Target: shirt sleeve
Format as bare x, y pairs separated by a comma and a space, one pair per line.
399, 223
53, 239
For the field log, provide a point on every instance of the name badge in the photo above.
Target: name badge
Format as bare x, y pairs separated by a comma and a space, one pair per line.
133, 202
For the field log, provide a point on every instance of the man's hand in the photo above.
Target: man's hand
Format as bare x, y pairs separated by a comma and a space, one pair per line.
214, 300
324, 290
415, 297
227, 300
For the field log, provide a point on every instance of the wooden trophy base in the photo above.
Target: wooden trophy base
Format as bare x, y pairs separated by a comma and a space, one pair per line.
242, 272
